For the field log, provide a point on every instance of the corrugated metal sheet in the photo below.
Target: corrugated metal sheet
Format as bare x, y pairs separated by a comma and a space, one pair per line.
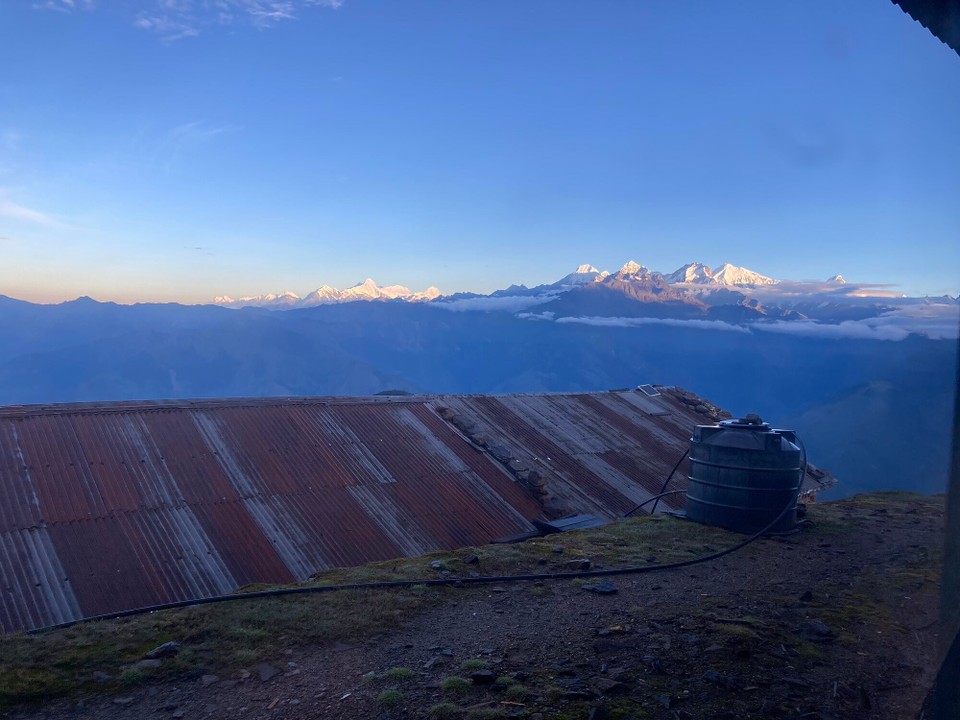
600, 453
112, 506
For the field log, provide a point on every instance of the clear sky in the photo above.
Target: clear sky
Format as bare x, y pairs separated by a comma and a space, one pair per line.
182, 149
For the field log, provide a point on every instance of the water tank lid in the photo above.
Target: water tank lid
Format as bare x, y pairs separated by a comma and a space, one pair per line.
751, 421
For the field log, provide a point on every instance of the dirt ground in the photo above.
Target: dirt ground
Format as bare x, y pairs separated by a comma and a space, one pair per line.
835, 621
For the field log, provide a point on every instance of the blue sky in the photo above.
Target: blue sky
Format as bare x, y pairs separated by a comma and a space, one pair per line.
182, 149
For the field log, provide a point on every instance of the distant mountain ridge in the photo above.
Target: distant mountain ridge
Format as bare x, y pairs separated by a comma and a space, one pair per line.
694, 280
367, 290
726, 274
691, 273
727, 293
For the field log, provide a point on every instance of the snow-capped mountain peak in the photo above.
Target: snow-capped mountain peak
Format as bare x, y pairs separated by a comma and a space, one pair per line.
284, 299
366, 290
431, 293
583, 275
631, 268
728, 274
837, 279
395, 291
325, 294
691, 273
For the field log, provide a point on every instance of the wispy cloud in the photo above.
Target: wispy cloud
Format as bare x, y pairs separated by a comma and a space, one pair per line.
174, 20
166, 150
196, 130
790, 289
169, 27
64, 6
13, 211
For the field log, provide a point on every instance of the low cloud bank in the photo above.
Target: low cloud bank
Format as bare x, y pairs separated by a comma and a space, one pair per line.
512, 303
637, 322
935, 321
793, 289
545, 315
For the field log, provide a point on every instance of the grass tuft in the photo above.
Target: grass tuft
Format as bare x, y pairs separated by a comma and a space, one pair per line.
390, 698
475, 664
399, 674
517, 692
455, 685
133, 676
444, 711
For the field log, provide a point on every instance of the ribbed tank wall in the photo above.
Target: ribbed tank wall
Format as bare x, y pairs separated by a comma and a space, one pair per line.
742, 476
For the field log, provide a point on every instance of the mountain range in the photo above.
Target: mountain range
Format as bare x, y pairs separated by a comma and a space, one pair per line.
692, 273
866, 376
367, 290
727, 294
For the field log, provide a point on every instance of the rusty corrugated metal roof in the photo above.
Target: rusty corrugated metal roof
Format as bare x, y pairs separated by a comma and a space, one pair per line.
113, 506
597, 453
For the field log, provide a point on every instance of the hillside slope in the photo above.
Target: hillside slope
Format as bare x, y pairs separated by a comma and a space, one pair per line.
837, 621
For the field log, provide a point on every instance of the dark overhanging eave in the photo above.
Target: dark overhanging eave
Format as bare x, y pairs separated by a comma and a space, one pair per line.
940, 17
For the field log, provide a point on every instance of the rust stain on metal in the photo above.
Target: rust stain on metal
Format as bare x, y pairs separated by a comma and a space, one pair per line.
111, 506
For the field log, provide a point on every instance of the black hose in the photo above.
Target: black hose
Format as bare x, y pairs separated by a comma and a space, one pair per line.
653, 499
664, 487
388, 584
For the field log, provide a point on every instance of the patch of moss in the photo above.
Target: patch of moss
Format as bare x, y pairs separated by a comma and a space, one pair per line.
624, 709
133, 676
738, 631
29, 683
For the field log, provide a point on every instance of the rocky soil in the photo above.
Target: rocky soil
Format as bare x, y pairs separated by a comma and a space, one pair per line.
835, 621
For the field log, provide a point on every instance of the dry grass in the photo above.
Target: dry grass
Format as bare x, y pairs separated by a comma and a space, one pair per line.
213, 637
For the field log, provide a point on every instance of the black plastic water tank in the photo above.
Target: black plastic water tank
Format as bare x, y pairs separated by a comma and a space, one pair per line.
742, 475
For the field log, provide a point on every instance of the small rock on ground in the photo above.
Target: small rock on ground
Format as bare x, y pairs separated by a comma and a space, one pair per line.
168, 649
266, 671
604, 587
483, 677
